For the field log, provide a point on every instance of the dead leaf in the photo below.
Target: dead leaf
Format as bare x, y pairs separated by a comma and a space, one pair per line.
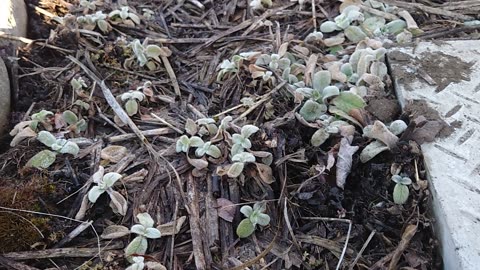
118, 203
199, 163
167, 228
114, 231
226, 209
22, 135
265, 173
114, 153
344, 161
407, 235
83, 208
380, 132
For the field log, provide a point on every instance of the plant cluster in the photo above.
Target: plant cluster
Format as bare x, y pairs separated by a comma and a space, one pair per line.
357, 25
217, 144
146, 54
45, 158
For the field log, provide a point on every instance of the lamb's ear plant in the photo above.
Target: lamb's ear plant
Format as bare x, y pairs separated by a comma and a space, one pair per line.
132, 99
104, 183
260, 4
78, 84
74, 123
144, 231
239, 160
90, 4
90, 21
146, 55
253, 216
400, 191
241, 141
125, 16
41, 118
45, 158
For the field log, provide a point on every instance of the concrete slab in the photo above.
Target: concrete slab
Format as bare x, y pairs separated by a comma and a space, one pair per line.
447, 76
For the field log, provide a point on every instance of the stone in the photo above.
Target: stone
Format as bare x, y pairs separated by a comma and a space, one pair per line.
443, 80
13, 21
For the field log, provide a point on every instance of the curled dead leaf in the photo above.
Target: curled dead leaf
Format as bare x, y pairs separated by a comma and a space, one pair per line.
344, 161
226, 209
169, 229
113, 153
114, 231
265, 173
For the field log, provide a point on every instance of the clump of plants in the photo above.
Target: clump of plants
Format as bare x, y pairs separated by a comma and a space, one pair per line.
253, 217
145, 54
212, 144
45, 158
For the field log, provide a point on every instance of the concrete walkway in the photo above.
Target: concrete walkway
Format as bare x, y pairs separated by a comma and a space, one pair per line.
446, 75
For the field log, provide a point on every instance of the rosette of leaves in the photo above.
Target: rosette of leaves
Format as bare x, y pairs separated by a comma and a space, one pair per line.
184, 143
131, 100
90, 21
45, 158
273, 61
206, 127
74, 123
242, 141
260, 4
343, 22
329, 126
78, 84
385, 138
144, 231
253, 216
104, 183
148, 14
146, 55
366, 67
400, 191
27, 129
138, 263
229, 67
87, 4
239, 160
125, 16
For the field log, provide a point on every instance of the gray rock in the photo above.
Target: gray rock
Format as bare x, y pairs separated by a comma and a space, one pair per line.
4, 98
13, 21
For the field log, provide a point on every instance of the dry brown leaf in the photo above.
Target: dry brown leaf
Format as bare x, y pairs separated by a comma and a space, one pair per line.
114, 153
167, 228
344, 161
22, 135
407, 235
226, 209
265, 173
114, 231
118, 203
83, 208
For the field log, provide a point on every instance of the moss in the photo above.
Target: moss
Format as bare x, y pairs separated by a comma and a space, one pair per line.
16, 233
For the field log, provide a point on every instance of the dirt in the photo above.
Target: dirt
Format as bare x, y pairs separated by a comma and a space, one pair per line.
385, 109
438, 69
445, 69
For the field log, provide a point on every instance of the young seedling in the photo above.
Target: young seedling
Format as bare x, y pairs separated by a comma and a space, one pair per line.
148, 14
105, 183
260, 4
90, 21
125, 16
253, 216
75, 125
140, 264
228, 66
209, 149
239, 160
144, 230
89, 5
45, 158
401, 192
41, 118
184, 143
132, 99
241, 141
144, 54
78, 84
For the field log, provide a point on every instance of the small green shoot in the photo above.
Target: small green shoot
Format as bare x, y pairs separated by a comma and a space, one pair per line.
253, 216
401, 192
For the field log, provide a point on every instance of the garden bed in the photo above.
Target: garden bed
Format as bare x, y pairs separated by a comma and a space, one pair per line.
146, 114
